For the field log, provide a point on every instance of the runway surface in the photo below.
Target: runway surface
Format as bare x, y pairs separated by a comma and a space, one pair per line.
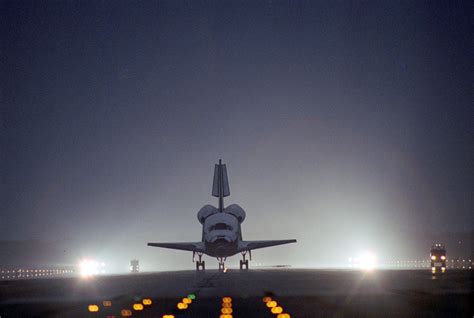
299, 293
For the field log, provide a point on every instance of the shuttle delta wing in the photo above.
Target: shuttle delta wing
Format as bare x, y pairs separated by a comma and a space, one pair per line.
253, 245
185, 246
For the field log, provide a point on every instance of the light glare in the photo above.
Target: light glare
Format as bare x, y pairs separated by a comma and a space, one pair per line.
367, 261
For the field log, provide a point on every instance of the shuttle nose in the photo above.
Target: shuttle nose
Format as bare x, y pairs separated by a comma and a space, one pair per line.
220, 239
221, 245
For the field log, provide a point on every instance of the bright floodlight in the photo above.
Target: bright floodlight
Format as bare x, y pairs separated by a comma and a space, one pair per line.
367, 261
90, 268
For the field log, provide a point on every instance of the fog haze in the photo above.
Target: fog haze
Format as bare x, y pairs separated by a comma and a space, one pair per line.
345, 125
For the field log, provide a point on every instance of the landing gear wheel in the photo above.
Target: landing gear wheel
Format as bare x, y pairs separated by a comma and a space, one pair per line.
200, 264
244, 264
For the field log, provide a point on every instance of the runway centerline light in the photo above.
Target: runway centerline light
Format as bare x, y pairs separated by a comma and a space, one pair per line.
267, 299
277, 310
187, 300
271, 304
126, 313
107, 303
182, 306
93, 308
138, 307
192, 296
226, 310
147, 301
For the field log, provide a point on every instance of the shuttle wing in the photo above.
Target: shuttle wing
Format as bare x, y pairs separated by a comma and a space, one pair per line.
185, 246
253, 245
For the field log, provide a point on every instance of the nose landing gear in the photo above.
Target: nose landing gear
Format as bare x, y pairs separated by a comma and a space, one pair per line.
221, 263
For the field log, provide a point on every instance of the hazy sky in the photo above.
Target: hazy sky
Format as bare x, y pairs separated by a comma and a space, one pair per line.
345, 125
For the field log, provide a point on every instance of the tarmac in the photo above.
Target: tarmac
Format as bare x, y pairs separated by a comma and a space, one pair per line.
298, 292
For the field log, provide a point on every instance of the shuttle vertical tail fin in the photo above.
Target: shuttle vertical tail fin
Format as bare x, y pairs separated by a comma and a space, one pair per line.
220, 186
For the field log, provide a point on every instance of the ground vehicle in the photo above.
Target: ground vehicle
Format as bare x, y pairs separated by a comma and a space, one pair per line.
438, 258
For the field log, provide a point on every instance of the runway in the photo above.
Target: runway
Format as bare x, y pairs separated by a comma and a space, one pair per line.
299, 293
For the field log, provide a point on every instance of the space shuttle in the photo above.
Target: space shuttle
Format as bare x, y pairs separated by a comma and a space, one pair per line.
221, 229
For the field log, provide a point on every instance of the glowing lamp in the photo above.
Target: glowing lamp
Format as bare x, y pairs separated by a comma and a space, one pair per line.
226, 300
93, 308
138, 307
226, 310
433, 257
126, 313
267, 299
147, 301
367, 261
277, 310
182, 306
107, 303
271, 304
186, 300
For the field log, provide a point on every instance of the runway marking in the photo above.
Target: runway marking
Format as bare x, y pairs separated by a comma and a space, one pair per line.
275, 308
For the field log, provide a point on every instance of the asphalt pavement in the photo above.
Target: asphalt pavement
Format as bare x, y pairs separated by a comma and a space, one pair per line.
254, 293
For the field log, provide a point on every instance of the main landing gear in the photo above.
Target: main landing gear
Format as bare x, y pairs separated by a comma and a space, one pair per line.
200, 264
244, 262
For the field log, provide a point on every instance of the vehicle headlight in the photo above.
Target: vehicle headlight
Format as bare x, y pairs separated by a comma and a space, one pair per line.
443, 257
433, 257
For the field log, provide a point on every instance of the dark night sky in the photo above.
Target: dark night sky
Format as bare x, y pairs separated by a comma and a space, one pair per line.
343, 124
